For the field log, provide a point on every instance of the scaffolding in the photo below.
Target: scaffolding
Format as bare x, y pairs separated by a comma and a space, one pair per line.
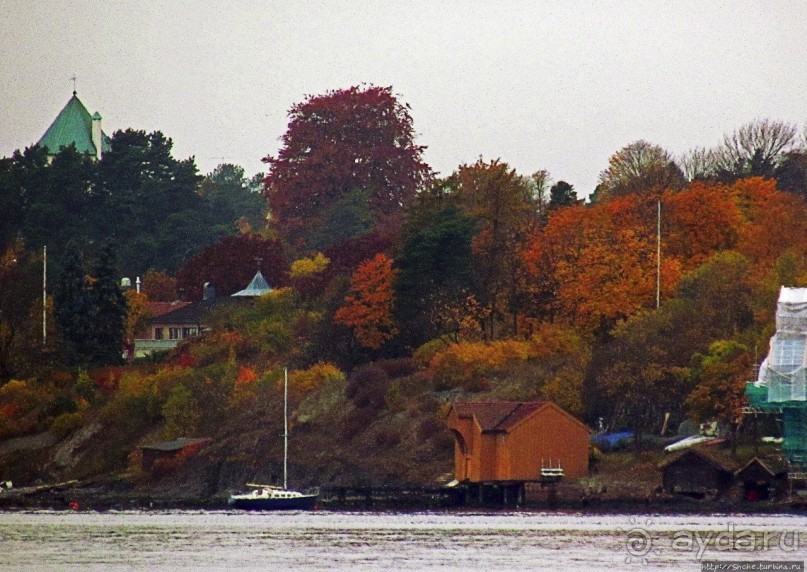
781, 386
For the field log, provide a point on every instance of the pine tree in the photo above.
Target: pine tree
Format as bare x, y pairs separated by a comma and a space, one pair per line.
90, 314
73, 307
109, 315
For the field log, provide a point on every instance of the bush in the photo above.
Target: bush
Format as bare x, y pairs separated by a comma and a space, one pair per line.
424, 354
181, 413
65, 424
401, 367
62, 404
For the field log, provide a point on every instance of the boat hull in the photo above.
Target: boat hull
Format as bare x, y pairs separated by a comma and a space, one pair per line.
305, 502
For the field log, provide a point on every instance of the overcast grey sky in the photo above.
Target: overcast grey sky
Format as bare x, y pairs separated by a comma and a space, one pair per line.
542, 85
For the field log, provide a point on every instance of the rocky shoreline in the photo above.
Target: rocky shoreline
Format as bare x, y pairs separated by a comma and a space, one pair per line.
118, 495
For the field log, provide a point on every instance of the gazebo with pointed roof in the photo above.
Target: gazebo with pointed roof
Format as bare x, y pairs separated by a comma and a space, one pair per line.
257, 287
75, 126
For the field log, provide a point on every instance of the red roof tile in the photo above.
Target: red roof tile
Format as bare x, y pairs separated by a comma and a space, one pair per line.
157, 309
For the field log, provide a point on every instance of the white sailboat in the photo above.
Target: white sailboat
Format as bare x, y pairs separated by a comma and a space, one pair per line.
270, 497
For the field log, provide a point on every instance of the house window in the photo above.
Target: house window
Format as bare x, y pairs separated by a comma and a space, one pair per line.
174, 333
187, 332
158, 333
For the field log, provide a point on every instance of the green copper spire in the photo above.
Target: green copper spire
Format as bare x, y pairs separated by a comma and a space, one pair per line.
73, 125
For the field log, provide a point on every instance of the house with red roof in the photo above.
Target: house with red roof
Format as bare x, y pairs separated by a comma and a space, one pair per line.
170, 323
516, 441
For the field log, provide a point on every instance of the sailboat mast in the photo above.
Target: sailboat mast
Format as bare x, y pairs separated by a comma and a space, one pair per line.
285, 426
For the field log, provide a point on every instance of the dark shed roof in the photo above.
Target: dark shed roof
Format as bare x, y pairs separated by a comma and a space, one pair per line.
710, 456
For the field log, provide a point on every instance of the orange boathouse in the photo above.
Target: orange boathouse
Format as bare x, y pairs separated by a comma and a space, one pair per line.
515, 442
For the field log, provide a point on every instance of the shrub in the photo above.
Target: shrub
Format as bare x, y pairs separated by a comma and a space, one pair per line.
424, 354
65, 424
181, 413
400, 367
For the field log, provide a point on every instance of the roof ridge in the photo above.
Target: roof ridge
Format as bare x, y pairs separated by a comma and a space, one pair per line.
516, 406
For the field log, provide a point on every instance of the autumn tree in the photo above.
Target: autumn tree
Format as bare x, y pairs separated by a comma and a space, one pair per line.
775, 221
643, 372
596, 265
137, 316
369, 303
502, 205
720, 375
699, 221
348, 154
540, 190
640, 167
159, 286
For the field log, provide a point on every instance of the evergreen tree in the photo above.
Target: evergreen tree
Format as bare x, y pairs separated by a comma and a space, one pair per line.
562, 194
90, 314
73, 307
109, 310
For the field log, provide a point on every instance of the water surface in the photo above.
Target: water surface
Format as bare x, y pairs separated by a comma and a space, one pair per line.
162, 540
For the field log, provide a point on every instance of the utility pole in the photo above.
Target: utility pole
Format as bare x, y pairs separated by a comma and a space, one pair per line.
658, 256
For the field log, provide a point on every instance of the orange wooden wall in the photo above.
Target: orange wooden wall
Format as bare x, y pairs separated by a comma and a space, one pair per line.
548, 435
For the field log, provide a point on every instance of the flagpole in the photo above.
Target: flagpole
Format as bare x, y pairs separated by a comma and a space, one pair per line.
658, 256
44, 295
285, 426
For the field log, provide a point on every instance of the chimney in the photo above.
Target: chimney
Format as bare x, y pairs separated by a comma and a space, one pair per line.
208, 291
97, 137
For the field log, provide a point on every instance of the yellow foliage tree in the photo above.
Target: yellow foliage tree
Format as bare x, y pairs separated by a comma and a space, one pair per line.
309, 266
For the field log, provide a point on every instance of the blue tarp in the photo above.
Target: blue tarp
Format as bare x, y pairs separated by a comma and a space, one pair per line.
611, 440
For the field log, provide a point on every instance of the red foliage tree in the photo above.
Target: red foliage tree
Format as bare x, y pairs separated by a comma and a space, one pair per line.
159, 286
348, 163
231, 263
368, 305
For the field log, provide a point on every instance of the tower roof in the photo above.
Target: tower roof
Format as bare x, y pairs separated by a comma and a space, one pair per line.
73, 125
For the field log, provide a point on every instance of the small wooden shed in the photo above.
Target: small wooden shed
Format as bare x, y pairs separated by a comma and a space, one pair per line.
167, 451
512, 441
762, 480
697, 472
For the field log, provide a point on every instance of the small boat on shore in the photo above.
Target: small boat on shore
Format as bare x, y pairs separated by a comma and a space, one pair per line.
269, 497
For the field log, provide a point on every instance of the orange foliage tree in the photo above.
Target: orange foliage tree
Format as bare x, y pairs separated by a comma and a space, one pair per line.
369, 303
699, 221
775, 222
600, 261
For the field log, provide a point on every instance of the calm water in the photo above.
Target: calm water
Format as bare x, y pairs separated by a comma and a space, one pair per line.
411, 541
